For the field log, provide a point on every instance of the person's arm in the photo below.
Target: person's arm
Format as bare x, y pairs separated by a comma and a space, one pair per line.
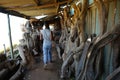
51, 36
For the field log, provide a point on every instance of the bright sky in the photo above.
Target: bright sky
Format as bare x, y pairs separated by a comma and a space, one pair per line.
15, 23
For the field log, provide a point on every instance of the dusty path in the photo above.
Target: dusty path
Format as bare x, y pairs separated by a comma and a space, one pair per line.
52, 72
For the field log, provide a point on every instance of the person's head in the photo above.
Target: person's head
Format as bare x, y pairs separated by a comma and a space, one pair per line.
46, 25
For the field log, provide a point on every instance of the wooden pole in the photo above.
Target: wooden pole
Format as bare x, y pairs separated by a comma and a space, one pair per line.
10, 37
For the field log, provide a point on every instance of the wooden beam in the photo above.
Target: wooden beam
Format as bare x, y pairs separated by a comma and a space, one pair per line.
39, 12
16, 3
3, 10
37, 2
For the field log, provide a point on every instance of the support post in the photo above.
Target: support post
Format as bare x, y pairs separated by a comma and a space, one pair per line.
10, 37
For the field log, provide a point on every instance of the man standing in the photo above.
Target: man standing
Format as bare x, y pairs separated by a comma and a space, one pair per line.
47, 44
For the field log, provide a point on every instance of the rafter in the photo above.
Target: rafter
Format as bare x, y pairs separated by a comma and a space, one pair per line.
37, 2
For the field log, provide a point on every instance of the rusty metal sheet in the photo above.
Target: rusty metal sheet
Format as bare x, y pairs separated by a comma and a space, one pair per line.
110, 16
107, 54
97, 23
86, 25
117, 17
93, 20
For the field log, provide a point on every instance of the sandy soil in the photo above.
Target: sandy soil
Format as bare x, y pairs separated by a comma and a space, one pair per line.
38, 72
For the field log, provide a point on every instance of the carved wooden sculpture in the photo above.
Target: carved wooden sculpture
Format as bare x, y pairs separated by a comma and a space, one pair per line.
114, 75
88, 62
65, 33
92, 52
69, 43
68, 54
22, 54
8, 68
76, 29
18, 73
83, 12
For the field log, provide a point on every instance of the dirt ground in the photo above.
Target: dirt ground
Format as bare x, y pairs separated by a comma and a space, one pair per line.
38, 72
